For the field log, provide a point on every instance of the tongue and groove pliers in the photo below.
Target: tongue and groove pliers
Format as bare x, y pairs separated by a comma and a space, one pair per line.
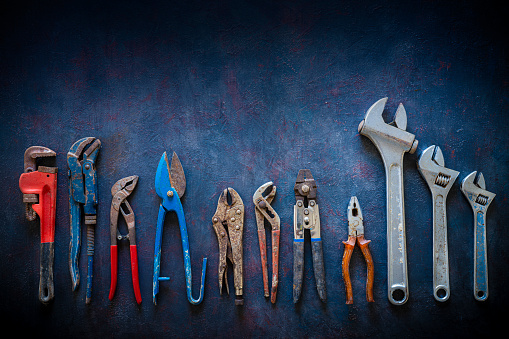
263, 210
82, 191
170, 186
306, 216
228, 223
119, 204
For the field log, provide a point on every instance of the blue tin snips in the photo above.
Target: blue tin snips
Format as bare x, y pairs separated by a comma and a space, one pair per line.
82, 191
170, 187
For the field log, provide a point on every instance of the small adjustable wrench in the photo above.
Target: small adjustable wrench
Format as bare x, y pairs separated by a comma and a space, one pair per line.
392, 141
440, 180
480, 200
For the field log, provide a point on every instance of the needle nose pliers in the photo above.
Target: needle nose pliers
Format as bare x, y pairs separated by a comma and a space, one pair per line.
120, 191
356, 235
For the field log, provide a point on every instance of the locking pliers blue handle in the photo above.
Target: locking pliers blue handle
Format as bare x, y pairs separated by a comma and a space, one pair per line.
170, 186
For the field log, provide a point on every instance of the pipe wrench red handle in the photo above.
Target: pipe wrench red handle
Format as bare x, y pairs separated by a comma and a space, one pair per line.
40, 192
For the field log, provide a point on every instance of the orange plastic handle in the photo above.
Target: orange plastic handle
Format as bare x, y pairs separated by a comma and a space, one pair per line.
347, 255
363, 243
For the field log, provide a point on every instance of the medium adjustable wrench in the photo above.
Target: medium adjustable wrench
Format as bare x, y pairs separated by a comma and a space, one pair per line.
392, 141
440, 180
480, 200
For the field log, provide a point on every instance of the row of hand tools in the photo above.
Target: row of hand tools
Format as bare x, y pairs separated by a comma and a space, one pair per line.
38, 184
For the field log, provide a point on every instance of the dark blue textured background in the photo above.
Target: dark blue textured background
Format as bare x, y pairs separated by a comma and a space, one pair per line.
247, 92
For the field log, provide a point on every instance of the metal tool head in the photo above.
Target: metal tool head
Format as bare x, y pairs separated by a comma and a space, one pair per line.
32, 154
374, 127
261, 190
228, 198
170, 176
126, 184
355, 219
474, 188
431, 165
305, 185
85, 148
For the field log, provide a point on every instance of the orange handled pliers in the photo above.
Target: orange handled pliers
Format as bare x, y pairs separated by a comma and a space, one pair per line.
120, 191
356, 234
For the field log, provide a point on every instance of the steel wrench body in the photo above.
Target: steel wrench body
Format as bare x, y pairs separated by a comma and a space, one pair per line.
480, 199
392, 141
440, 181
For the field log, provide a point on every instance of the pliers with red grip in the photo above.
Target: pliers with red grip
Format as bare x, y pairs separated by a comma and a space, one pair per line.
120, 191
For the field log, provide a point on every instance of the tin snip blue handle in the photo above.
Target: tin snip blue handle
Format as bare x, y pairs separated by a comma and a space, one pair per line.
170, 187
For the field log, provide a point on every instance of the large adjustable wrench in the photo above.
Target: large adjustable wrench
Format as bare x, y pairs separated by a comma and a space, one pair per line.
440, 180
392, 141
480, 199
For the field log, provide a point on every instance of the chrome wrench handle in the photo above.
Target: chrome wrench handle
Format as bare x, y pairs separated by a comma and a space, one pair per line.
396, 233
481, 256
441, 287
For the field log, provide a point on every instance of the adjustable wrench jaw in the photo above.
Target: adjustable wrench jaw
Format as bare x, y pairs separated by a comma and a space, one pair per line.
440, 180
392, 141
228, 223
480, 199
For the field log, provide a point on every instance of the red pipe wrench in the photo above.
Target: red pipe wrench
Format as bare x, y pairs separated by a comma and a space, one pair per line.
120, 191
39, 187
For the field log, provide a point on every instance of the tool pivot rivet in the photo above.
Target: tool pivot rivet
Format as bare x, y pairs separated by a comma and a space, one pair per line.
169, 193
306, 212
305, 188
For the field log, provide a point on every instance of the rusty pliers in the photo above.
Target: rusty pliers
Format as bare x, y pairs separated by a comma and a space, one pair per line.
120, 191
263, 210
228, 222
356, 235
306, 216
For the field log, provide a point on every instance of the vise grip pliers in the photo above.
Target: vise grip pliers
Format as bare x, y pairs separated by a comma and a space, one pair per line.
120, 191
170, 186
356, 235
228, 223
263, 210
306, 216
82, 191
39, 187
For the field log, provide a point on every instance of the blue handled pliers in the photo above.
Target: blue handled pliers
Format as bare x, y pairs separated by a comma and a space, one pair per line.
170, 187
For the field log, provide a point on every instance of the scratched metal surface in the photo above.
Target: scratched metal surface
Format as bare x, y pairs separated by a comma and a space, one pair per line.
247, 92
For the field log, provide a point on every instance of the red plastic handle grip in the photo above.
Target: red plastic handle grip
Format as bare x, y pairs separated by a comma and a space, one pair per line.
134, 272
114, 263
45, 186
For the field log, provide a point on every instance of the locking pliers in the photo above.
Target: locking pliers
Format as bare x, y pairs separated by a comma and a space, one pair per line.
306, 216
356, 235
82, 191
120, 191
228, 222
263, 210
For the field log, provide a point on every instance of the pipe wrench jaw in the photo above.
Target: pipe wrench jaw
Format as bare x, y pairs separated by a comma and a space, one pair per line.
39, 187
